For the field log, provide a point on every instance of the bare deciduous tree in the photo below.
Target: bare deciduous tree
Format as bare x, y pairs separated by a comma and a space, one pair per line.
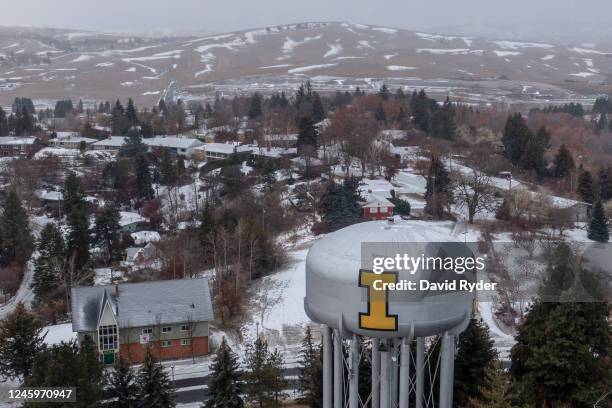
474, 192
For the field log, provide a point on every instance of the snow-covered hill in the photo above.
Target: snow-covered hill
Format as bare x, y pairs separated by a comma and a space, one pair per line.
96, 66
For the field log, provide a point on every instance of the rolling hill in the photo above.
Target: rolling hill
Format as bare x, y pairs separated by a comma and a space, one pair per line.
50, 64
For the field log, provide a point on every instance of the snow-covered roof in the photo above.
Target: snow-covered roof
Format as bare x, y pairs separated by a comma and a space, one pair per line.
143, 304
49, 195
373, 200
58, 333
172, 142
128, 218
10, 140
72, 137
143, 237
112, 141
225, 148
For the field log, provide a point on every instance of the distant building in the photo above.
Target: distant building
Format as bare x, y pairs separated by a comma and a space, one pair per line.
69, 140
183, 146
131, 221
219, 151
111, 143
376, 193
377, 208
17, 146
171, 317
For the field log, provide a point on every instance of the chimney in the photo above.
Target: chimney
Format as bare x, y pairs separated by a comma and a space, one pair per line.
117, 290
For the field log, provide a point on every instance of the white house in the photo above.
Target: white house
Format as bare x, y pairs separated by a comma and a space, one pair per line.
70, 140
183, 146
111, 143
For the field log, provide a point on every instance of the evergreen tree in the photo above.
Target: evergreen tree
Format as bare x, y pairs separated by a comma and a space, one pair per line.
340, 205
438, 190
561, 353
605, 183
167, 171
564, 163
318, 112
155, 388
224, 389
63, 364
122, 386
586, 186
77, 243
93, 381
379, 113
255, 110
470, 367
533, 156
263, 382
207, 229
515, 137
307, 136
107, 232
497, 391
443, 121
143, 177
21, 339
311, 372
16, 241
131, 114
119, 123
598, 226
419, 104
384, 92
73, 193
133, 144
50, 263
268, 175
4, 127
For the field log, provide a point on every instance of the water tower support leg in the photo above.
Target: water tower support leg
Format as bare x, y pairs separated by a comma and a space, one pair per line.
327, 366
354, 373
393, 377
385, 362
447, 364
338, 372
375, 374
404, 380
420, 371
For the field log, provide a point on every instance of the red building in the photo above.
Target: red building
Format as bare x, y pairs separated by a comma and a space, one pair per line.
170, 317
377, 208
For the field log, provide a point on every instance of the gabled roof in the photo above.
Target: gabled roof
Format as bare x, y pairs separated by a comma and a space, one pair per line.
143, 304
17, 140
111, 141
172, 142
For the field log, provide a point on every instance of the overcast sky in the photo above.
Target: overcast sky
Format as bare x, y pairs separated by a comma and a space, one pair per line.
183, 16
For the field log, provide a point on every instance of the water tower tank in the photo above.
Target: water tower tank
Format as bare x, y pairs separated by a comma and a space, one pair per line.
335, 263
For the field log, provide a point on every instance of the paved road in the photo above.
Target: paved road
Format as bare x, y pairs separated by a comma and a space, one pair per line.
196, 389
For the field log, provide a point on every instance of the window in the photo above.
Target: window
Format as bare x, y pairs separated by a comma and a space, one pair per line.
107, 337
167, 343
148, 330
383, 209
185, 327
167, 329
185, 342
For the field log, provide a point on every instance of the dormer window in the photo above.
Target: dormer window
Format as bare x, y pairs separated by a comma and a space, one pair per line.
107, 337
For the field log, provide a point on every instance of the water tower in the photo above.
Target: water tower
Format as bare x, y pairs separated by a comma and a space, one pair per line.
339, 296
